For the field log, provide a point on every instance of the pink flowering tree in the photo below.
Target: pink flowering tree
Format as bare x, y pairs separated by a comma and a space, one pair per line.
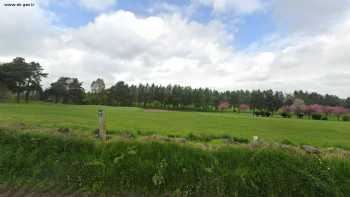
286, 109
315, 109
339, 111
327, 110
243, 107
298, 107
223, 105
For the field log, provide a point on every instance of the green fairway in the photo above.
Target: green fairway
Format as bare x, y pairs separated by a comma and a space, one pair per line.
319, 133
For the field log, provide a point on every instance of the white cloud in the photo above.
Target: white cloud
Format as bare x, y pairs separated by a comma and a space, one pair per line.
309, 15
238, 6
25, 30
172, 49
97, 5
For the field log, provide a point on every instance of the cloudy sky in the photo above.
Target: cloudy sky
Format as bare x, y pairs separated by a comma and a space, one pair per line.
223, 44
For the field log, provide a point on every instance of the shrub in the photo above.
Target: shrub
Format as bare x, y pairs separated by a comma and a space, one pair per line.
240, 140
286, 115
268, 114
316, 116
156, 104
300, 115
346, 118
257, 113
324, 118
192, 137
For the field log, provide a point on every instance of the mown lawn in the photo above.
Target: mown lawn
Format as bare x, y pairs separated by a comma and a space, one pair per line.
318, 133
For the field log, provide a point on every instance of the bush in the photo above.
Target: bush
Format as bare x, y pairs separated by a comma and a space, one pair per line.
240, 140
286, 115
155, 104
324, 118
346, 118
316, 116
300, 115
257, 113
268, 114
262, 113
192, 137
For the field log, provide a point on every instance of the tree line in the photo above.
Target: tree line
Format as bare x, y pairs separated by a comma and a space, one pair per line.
24, 80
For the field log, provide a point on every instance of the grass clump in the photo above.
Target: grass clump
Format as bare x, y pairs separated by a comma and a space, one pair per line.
287, 142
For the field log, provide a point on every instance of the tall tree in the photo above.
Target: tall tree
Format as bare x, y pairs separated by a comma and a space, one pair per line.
67, 90
33, 81
298, 106
98, 86
347, 103
20, 76
119, 94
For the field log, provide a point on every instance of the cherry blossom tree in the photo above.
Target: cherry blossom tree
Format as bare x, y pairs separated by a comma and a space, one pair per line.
298, 107
327, 110
223, 105
286, 109
315, 109
339, 111
243, 107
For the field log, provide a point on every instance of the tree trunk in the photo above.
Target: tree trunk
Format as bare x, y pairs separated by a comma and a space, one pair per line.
27, 96
56, 99
18, 96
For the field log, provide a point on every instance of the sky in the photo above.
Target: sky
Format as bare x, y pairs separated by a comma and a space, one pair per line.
283, 45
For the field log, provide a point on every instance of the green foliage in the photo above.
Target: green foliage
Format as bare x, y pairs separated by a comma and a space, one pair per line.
151, 168
346, 118
4, 92
316, 116
156, 104
20, 76
263, 113
175, 97
66, 90
286, 115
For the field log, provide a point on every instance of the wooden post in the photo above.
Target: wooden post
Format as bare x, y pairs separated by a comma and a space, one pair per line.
102, 124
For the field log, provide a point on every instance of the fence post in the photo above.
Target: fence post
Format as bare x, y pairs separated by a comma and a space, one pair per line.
102, 125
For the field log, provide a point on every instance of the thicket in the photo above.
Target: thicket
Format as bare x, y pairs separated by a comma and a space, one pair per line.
153, 168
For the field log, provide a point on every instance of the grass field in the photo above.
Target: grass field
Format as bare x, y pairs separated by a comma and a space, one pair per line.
35, 157
84, 118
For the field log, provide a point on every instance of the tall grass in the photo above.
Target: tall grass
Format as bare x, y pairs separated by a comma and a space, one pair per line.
152, 168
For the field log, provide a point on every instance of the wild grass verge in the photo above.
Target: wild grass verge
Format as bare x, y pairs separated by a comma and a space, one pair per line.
61, 162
